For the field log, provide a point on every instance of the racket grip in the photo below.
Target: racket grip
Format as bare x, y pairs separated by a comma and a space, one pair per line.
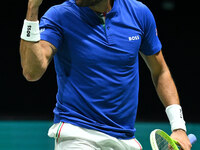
192, 138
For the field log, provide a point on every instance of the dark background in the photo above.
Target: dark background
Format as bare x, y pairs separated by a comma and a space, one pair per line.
177, 24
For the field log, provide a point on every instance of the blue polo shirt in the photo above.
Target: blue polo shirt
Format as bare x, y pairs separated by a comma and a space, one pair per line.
97, 67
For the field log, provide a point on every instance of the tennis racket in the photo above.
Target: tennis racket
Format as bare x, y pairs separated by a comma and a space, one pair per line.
162, 141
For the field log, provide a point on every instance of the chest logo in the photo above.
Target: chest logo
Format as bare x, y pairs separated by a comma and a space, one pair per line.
133, 38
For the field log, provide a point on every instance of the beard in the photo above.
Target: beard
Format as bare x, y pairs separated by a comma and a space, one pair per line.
87, 3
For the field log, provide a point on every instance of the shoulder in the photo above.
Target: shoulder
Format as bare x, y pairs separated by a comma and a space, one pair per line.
137, 8
57, 11
138, 11
134, 4
141, 12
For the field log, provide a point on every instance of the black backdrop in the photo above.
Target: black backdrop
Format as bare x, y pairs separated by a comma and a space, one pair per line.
178, 32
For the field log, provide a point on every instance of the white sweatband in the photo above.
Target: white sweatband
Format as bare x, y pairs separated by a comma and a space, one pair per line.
175, 116
30, 31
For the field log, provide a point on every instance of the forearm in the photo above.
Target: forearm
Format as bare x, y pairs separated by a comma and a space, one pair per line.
165, 87
33, 60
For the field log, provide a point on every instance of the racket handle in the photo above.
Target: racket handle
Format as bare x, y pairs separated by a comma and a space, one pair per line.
192, 138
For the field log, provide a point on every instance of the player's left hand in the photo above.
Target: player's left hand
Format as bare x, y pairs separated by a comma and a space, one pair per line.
181, 137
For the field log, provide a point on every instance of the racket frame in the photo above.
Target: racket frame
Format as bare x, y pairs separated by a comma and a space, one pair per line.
164, 135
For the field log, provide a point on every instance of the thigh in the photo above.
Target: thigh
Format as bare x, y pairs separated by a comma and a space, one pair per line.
132, 144
74, 144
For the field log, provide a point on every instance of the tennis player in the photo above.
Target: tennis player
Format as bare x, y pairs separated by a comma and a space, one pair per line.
95, 45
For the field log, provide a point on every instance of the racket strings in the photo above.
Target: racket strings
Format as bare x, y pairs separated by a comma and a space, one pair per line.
162, 143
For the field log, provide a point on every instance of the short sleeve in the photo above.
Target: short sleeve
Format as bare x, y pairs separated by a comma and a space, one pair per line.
150, 41
50, 29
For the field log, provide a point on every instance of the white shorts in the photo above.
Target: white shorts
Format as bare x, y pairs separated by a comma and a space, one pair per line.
71, 137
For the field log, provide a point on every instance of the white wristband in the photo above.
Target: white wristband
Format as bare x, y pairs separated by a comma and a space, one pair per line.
175, 116
30, 31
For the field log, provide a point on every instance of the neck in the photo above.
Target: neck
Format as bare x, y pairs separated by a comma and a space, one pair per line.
103, 6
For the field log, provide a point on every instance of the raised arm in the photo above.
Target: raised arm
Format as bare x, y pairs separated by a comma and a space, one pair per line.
35, 56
